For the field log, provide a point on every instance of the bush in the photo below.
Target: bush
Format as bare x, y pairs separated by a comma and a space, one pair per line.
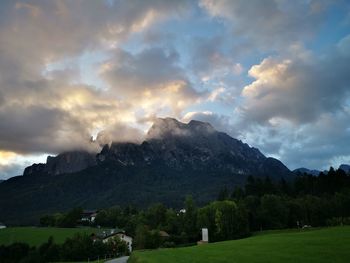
338, 221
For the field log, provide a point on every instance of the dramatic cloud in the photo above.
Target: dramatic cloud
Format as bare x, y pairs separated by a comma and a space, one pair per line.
299, 89
319, 144
47, 112
151, 80
210, 61
270, 72
269, 23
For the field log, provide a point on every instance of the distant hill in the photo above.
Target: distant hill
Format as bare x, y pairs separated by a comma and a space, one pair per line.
345, 167
175, 159
307, 171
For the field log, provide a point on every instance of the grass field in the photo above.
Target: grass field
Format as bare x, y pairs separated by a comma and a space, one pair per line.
37, 235
312, 246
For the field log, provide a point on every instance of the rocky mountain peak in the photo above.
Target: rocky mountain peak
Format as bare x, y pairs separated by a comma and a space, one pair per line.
67, 162
168, 127
164, 127
170, 143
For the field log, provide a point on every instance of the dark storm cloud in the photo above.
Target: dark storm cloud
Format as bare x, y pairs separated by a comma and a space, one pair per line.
128, 72
39, 129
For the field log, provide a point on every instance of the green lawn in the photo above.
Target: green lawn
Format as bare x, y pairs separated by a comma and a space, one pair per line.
37, 235
328, 245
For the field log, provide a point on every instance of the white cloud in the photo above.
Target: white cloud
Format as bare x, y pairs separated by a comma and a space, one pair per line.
150, 80
344, 46
299, 88
269, 24
46, 104
48, 111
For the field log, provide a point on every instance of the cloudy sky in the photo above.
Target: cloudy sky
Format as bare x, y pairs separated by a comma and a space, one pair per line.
273, 73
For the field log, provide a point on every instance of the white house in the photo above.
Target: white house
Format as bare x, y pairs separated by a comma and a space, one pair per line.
2, 226
121, 235
88, 216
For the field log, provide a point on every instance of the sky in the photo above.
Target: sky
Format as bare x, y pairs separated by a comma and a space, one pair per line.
273, 73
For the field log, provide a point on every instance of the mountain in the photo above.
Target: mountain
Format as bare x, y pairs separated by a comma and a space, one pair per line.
194, 146
306, 171
174, 160
345, 167
67, 162
1, 181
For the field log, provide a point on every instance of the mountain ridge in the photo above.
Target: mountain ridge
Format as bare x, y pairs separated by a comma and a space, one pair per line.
162, 142
176, 159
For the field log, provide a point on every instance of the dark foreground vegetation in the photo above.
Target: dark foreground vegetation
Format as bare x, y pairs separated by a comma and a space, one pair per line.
78, 248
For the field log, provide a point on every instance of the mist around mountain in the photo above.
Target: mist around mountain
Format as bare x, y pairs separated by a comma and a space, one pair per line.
175, 159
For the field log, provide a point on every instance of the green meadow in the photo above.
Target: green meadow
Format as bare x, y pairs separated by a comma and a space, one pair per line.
311, 246
37, 235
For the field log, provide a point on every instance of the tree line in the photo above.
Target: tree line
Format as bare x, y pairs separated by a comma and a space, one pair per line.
261, 204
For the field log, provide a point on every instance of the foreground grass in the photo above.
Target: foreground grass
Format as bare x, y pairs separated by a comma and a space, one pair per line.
318, 246
35, 236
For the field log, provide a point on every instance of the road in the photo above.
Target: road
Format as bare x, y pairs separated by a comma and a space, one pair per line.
118, 260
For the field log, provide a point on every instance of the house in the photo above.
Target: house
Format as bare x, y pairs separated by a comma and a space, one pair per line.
88, 216
107, 235
2, 226
181, 212
163, 234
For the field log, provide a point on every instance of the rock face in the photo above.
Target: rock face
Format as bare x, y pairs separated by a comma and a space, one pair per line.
68, 162
196, 145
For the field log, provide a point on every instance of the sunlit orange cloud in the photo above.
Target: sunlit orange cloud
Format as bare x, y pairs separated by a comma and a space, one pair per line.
147, 20
171, 98
7, 157
268, 75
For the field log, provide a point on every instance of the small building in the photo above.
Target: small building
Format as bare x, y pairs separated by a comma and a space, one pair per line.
107, 235
181, 212
88, 216
205, 237
163, 234
2, 226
